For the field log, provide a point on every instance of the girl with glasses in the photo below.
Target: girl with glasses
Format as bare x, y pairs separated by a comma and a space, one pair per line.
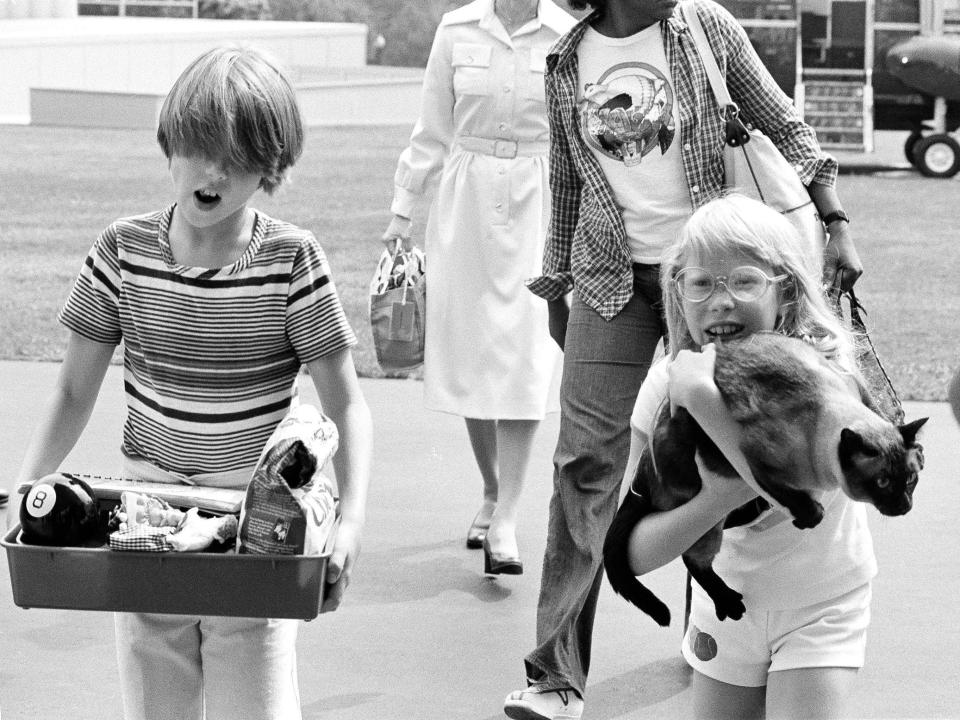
736, 270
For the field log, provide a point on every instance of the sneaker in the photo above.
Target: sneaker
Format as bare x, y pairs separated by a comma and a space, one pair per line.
536, 703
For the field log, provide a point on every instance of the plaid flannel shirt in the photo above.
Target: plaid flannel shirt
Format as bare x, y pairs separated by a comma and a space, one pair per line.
586, 241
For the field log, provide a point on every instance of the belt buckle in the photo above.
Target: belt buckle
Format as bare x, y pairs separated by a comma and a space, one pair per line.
505, 149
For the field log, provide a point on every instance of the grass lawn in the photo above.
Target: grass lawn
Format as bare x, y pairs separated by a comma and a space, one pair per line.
60, 187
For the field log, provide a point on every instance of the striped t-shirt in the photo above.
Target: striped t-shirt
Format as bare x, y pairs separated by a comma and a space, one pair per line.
210, 355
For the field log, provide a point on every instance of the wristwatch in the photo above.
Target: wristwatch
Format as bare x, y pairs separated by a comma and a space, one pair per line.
834, 216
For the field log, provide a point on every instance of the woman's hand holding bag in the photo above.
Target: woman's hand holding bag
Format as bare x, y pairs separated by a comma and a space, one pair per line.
841, 261
398, 230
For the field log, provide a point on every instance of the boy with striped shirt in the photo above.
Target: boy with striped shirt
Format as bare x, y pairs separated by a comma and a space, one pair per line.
218, 307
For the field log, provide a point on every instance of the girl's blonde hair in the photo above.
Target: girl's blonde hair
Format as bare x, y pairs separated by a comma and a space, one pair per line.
737, 225
235, 105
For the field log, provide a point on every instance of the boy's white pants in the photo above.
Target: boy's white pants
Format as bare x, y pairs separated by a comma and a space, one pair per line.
183, 667
175, 667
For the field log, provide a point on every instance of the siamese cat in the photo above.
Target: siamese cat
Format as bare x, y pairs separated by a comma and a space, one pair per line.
806, 428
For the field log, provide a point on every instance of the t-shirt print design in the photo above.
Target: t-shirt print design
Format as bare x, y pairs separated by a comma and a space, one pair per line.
628, 112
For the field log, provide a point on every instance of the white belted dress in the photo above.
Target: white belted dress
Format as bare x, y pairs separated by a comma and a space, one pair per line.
480, 147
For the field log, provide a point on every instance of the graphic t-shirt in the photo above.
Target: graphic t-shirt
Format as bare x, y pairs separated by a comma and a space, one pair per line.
630, 121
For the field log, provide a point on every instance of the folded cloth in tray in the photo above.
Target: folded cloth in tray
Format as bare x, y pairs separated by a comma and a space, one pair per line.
194, 533
143, 538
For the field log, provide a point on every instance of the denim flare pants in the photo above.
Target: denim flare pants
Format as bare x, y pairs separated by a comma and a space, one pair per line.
603, 366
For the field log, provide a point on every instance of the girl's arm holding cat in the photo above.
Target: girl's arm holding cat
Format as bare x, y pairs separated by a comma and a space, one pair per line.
662, 536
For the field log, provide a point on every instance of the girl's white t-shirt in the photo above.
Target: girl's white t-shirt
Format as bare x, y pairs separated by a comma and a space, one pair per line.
775, 565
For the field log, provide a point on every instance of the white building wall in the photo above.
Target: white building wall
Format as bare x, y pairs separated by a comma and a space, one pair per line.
145, 55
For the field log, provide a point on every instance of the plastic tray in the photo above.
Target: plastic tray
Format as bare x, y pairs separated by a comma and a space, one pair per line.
205, 583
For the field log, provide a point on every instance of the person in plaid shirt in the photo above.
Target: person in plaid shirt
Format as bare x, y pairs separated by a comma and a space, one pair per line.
636, 147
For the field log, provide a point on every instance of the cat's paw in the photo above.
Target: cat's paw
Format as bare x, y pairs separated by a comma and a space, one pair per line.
729, 604
809, 518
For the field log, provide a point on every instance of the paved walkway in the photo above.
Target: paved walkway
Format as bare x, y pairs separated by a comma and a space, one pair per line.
424, 635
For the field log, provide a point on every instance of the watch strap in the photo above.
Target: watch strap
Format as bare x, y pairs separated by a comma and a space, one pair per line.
835, 215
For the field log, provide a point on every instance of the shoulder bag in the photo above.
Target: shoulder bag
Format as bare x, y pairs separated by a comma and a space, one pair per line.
753, 165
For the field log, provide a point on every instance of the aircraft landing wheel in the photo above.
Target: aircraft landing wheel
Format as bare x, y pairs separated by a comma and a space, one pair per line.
910, 146
937, 156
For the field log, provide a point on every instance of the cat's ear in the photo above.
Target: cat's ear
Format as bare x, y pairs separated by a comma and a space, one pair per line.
852, 442
910, 430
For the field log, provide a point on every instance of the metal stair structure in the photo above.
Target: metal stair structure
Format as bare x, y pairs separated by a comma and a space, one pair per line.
839, 106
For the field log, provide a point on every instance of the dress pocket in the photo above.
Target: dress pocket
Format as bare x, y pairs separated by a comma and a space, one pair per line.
471, 68
538, 65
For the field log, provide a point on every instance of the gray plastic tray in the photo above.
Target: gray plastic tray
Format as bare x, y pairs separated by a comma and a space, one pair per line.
98, 578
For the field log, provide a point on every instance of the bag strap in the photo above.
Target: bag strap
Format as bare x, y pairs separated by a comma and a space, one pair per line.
736, 132
699, 36
860, 328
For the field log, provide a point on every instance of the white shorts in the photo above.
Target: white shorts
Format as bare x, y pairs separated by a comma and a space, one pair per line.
742, 652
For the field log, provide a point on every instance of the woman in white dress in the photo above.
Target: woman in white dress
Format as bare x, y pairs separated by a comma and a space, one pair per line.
482, 141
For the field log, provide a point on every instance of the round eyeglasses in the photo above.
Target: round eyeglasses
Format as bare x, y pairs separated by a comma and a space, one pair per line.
745, 283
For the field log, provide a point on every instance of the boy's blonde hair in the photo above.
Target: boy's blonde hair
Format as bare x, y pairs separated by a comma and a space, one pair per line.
737, 225
235, 105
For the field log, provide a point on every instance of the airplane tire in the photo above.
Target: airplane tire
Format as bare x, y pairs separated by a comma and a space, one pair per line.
937, 156
910, 146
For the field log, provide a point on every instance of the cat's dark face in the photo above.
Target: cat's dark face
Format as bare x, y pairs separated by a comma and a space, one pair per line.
882, 467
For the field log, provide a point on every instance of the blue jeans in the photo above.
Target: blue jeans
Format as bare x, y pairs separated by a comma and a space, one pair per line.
604, 364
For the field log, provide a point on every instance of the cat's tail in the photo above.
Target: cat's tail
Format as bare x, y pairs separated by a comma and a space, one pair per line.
617, 564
